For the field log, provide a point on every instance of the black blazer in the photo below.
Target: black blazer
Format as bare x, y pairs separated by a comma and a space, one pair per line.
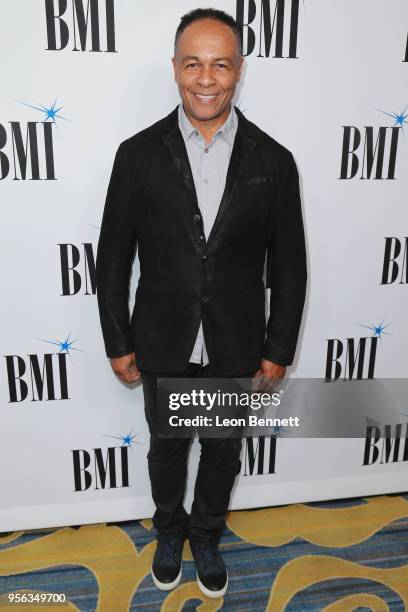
151, 202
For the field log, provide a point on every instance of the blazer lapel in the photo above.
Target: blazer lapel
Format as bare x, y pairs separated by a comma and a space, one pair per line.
243, 145
173, 140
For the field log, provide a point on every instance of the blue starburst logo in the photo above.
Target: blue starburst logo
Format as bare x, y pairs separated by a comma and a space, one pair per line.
64, 345
277, 430
378, 330
126, 439
50, 112
399, 118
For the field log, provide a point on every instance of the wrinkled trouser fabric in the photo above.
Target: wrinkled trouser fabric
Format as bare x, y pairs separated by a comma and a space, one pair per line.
167, 461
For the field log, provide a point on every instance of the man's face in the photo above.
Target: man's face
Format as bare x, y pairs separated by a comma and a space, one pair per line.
207, 67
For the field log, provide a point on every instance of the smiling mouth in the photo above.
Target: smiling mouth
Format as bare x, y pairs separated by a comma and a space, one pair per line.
206, 97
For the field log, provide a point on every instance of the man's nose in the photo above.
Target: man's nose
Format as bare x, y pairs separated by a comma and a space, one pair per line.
206, 76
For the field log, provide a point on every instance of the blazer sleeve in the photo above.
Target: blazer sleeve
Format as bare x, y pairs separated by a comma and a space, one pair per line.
286, 271
116, 250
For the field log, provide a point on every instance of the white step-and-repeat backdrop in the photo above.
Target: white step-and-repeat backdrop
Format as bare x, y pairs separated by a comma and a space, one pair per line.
326, 78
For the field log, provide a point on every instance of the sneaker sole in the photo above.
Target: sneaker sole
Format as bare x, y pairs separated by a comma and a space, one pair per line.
166, 586
209, 593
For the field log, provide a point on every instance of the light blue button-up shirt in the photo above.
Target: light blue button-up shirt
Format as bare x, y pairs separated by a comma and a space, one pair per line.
209, 165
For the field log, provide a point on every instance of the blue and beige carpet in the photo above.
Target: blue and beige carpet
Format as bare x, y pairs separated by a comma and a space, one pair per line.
333, 556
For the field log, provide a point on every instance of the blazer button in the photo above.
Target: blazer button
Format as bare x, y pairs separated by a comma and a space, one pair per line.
204, 257
196, 217
205, 299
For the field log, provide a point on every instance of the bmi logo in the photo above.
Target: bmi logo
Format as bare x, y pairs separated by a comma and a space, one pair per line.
39, 377
386, 444
395, 262
259, 456
370, 152
353, 358
78, 271
26, 147
103, 468
88, 25
269, 27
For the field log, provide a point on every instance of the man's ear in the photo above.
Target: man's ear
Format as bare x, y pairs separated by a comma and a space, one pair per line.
174, 62
240, 69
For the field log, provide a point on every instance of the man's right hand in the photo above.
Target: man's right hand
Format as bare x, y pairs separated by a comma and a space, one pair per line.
125, 368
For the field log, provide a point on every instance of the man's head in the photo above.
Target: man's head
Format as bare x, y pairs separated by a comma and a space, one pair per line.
207, 62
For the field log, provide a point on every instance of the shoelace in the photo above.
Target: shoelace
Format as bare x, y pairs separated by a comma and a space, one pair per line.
208, 555
169, 550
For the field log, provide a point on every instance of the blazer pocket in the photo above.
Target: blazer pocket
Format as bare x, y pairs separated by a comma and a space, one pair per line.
254, 180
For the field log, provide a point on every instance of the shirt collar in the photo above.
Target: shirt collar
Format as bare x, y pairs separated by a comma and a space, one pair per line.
227, 129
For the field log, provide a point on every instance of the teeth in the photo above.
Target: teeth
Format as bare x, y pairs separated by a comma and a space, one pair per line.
206, 97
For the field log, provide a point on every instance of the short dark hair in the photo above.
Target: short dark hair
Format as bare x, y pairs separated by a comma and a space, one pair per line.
209, 13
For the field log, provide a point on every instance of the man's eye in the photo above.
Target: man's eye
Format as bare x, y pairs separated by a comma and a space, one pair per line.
221, 65
193, 65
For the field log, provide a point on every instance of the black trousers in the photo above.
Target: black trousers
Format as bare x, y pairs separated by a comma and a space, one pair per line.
167, 461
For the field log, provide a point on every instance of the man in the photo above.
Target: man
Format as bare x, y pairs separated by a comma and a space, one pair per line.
206, 195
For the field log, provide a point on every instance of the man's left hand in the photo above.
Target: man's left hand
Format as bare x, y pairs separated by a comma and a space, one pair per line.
269, 373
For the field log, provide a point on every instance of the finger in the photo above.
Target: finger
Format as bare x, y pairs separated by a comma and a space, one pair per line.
125, 376
259, 383
256, 380
268, 383
121, 376
132, 376
272, 383
134, 373
130, 379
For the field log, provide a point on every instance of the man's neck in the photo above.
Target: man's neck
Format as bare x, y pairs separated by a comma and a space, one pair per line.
208, 128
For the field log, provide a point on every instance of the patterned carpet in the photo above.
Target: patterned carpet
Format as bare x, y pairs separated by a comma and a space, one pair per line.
334, 556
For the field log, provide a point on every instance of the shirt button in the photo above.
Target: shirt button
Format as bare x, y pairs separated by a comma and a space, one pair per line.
196, 132
206, 150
